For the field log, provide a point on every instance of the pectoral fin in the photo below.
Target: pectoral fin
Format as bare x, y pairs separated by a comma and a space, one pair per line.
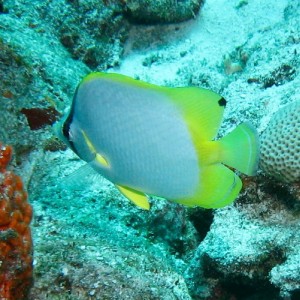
138, 198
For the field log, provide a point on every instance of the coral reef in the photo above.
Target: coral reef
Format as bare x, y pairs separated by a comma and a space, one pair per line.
251, 249
105, 248
165, 11
280, 144
15, 234
39, 79
90, 243
92, 31
282, 74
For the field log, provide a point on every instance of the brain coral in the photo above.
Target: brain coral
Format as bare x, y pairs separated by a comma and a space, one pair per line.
280, 144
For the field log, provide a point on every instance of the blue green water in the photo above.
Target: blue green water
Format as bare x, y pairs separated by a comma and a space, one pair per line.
90, 242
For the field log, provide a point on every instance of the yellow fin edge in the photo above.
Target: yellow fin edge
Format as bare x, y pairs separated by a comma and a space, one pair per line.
138, 198
218, 187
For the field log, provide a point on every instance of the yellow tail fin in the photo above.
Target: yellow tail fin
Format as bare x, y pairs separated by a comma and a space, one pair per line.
240, 149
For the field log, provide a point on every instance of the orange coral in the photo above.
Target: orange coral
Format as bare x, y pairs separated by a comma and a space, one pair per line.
15, 235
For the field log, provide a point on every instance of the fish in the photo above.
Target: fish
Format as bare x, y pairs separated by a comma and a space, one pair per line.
151, 140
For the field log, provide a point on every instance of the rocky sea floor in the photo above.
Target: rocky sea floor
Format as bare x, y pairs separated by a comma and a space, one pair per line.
89, 241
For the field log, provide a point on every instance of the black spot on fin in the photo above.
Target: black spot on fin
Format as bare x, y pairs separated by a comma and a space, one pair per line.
222, 102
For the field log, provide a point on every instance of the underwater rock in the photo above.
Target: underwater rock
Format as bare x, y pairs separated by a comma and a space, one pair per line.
92, 242
92, 31
164, 11
169, 224
35, 71
251, 248
281, 75
280, 144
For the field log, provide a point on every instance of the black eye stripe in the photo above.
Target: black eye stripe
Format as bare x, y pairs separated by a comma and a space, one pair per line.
67, 124
66, 127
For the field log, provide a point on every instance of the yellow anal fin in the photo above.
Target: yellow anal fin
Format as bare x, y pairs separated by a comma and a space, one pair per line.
218, 187
138, 198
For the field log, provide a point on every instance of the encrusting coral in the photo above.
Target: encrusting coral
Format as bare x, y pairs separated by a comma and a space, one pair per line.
15, 235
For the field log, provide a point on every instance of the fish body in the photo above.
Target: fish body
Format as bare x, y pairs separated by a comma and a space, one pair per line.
153, 140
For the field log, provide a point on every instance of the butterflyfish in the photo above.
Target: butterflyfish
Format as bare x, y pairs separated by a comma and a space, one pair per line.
160, 141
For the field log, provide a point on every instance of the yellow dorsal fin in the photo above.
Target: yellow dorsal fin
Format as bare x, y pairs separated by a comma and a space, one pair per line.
138, 198
202, 110
119, 78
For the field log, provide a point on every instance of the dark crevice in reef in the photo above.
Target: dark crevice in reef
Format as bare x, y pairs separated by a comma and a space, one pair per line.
3, 10
239, 284
202, 220
285, 194
295, 295
242, 291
